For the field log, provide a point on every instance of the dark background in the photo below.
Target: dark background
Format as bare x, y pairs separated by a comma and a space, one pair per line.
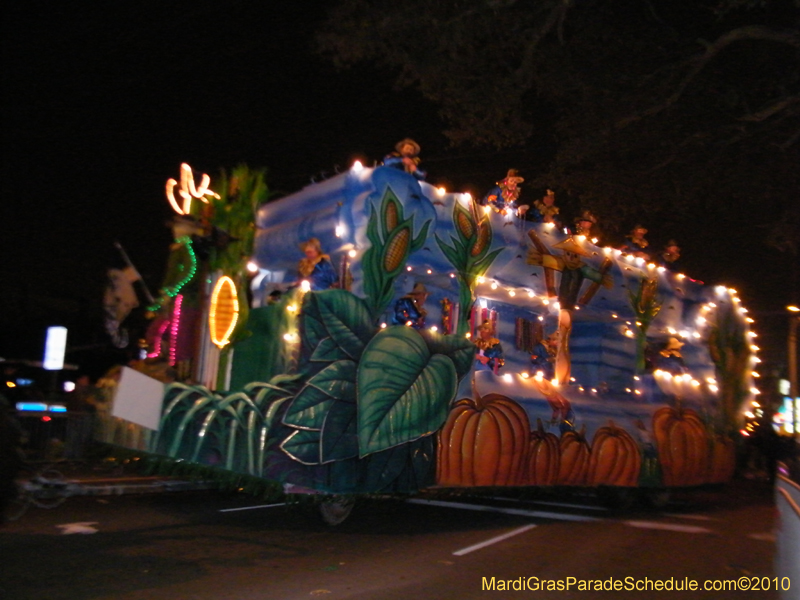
103, 103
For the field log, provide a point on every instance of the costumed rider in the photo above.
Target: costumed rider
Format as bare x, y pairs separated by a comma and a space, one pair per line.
489, 355
636, 244
505, 195
410, 309
545, 210
669, 359
669, 257
544, 355
316, 267
406, 158
585, 225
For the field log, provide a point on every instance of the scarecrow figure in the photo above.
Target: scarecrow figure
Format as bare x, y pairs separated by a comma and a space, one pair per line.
669, 257
406, 158
410, 309
545, 210
505, 194
544, 355
584, 224
669, 359
489, 355
316, 267
636, 243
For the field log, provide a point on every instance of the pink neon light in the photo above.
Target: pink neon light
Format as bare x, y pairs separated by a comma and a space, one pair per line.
174, 326
158, 339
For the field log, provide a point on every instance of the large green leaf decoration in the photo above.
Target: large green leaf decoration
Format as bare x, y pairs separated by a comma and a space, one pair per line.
340, 432
303, 446
460, 350
340, 316
337, 381
403, 390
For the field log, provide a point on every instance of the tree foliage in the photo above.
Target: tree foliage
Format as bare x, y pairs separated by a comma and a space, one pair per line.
653, 108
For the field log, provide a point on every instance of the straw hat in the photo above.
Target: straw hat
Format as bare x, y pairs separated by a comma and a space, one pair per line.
311, 243
673, 344
570, 245
419, 290
513, 176
407, 141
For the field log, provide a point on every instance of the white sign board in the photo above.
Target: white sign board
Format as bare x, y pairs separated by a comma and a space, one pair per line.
54, 348
138, 399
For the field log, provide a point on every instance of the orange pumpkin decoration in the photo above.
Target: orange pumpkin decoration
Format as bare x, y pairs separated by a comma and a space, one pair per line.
683, 446
544, 457
574, 464
722, 463
615, 458
483, 443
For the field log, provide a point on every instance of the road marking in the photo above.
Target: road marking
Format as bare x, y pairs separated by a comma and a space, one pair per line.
493, 540
691, 517
507, 511
84, 527
762, 537
252, 507
667, 526
549, 503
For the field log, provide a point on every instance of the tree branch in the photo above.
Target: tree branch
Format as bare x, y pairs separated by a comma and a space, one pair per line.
699, 62
767, 112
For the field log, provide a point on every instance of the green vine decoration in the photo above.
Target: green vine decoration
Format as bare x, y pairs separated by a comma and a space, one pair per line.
392, 241
646, 307
730, 350
469, 255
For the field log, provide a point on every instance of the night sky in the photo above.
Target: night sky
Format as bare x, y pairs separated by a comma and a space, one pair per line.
103, 103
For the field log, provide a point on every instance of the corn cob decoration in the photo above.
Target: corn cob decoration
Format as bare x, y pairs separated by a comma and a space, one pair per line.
393, 241
645, 306
730, 351
469, 254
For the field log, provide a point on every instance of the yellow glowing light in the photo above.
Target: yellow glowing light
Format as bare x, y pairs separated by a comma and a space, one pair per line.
252, 267
755, 359
305, 285
507, 377
11, 384
754, 348
749, 320
752, 334
512, 293
357, 166
639, 392
468, 335
408, 268
755, 374
352, 253
339, 231
487, 210
545, 301
434, 328
494, 285
441, 191
661, 269
594, 240
223, 311
452, 275
383, 325
580, 238
429, 272
524, 375
531, 294
681, 276
792, 308
481, 279
187, 190
292, 308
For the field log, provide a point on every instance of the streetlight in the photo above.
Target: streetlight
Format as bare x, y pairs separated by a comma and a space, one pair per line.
792, 356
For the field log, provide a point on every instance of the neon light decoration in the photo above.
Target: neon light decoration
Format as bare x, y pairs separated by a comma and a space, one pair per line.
224, 311
187, 190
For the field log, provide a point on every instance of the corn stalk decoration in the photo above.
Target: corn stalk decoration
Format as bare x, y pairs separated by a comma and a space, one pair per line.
469, 254
393, 241
646, 307
730, 350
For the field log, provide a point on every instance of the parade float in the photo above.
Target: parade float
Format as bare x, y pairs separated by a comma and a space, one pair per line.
390, 337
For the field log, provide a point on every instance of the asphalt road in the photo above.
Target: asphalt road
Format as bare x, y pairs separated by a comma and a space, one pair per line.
182, 545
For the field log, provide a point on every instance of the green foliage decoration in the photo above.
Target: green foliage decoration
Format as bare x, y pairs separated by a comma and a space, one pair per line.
729, 347
392, 241
646, 307
469, 254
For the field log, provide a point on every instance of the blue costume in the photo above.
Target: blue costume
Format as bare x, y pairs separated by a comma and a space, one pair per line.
492, 349
395, 160
541, 360
405, 310
321, 276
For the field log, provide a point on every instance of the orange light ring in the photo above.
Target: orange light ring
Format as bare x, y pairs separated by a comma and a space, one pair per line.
229, 308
